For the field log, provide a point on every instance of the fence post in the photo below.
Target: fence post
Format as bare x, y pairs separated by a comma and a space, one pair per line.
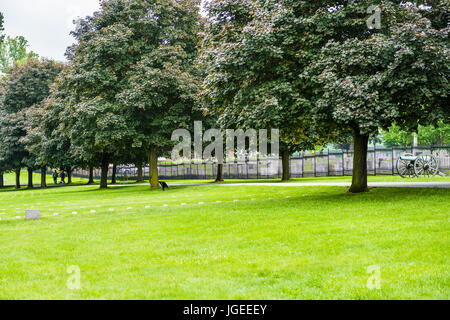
246, 162
290, 166
315, 165
257, 167
343, 163
375, 159
328, 162
392, 162
303, 164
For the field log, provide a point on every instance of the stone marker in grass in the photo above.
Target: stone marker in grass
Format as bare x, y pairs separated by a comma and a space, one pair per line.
33, 214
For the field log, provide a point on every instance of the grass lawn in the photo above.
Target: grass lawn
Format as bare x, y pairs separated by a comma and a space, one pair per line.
10, 179
197, 242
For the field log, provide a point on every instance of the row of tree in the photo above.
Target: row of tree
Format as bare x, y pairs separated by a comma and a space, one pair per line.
141, 69
426, 136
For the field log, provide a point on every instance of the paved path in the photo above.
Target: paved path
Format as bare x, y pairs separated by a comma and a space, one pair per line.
444, 185
347, 184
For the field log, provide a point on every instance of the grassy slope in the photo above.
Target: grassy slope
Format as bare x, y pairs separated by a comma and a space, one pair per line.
317, 244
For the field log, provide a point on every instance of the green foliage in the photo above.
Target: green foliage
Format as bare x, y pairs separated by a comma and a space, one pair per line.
395, 136
426, 135
14, 50
251, 81
130, 81
370, 80
1, 28
315, 69
25, 86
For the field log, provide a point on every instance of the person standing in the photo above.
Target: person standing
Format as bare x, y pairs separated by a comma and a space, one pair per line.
63, 176
55, 177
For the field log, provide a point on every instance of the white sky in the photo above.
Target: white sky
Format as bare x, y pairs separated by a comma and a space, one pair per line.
46, 24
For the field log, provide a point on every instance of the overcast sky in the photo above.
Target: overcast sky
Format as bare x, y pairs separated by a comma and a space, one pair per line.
46, 24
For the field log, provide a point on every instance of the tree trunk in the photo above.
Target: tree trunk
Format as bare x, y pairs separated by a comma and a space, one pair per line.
44, 177
2, 183
285, 157
91, 175
114, 174
359, 179
140, 176
153, 162
104, 174
219, 177
17, 178
69, 175
30, 178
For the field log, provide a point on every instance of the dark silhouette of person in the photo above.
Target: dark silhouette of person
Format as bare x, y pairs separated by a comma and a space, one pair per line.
55, 177
63, 176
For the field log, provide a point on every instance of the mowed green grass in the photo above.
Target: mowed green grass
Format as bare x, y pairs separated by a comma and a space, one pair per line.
9, 179
197, 242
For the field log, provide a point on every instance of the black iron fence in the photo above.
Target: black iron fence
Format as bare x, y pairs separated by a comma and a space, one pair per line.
380, 161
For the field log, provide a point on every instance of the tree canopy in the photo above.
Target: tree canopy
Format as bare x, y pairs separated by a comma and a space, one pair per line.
318, 71
25, 86
14, 50
130, 81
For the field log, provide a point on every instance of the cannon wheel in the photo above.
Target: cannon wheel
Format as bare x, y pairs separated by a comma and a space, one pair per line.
405, 168
426, 166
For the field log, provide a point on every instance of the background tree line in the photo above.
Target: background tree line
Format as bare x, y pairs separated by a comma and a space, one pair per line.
140, 69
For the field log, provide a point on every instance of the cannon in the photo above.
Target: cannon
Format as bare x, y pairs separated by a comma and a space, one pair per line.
410, 166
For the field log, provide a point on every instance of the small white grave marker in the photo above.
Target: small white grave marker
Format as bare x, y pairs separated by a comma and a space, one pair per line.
74, 212
32, 214
93, 211
111, 210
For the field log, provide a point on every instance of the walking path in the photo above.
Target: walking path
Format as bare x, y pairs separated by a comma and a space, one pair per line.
314, 184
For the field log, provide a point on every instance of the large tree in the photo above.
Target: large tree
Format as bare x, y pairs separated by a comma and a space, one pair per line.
26, 85
368, 79
46, 139
252, 81
131, 80
316, 69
